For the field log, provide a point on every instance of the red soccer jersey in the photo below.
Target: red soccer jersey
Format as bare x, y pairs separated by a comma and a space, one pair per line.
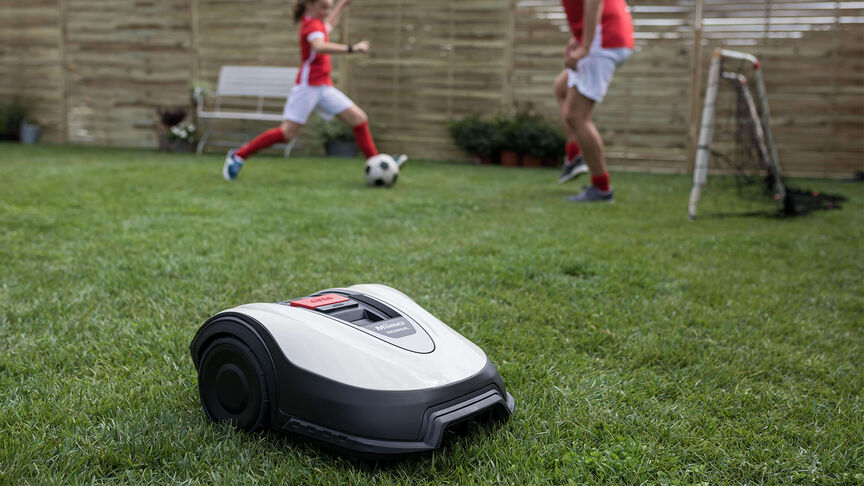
315, 66
616, 25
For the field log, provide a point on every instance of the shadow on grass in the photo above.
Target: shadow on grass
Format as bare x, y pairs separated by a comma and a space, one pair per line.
455, 441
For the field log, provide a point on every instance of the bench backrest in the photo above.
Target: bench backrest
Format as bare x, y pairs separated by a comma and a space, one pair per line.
258, 81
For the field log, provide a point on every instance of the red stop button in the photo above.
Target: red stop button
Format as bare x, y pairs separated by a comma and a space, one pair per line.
318, 301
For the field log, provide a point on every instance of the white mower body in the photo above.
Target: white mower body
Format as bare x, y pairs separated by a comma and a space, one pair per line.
362, 369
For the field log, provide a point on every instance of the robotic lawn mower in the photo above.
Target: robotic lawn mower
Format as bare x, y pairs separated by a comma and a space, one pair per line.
362, 369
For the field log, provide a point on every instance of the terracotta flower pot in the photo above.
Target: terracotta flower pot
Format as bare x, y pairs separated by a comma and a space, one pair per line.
531, 161
510, 158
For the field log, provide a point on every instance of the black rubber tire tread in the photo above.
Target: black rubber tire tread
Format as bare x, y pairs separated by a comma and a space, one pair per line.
255, 413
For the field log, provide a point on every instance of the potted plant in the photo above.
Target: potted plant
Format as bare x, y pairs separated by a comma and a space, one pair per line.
175, 135
29, 131
479, 137
509, 133
182, 137
553, 143
530, 139
540, 142
336, 137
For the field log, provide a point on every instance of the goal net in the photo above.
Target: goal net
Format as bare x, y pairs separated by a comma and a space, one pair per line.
736, 136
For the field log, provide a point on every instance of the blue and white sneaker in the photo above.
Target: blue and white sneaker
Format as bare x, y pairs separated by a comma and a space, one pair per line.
400, 159
592, 194
233, 164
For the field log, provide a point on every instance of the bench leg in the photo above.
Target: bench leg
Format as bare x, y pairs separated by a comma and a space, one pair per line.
203, 142
290, 146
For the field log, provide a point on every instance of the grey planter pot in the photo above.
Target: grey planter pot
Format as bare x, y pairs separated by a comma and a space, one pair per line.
179, 146
29, 133
341, 149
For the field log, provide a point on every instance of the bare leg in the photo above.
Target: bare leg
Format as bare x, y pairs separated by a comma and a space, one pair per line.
235, 158
290, 129
577, 115
358, 120
561, 98
286, 131
353, 116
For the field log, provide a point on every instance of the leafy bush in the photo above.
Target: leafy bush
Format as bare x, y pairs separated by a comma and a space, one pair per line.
330, 131
531, 135
11, 117
540, 139
509, 133
476, 136
524, 133
171, 117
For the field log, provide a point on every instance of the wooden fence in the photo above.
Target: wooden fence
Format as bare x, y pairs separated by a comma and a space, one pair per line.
93, 71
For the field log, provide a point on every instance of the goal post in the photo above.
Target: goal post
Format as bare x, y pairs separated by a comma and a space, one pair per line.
759, 117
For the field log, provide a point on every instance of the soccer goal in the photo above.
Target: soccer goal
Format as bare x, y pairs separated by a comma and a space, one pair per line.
747, 150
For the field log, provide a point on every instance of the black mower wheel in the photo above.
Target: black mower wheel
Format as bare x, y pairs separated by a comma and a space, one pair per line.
232, 385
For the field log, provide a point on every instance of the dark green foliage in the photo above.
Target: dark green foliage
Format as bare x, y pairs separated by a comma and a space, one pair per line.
535, 136
476, 135
510, 132
11, 116
329, 131
529, 134
524, 133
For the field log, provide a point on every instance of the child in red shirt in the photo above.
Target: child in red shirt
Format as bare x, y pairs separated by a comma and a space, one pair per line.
313, 89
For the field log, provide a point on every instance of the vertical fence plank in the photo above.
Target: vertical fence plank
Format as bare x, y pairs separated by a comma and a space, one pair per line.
695, 84
194, 50
64, 82
507, 98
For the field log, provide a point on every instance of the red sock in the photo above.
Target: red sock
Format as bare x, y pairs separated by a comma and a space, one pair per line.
364, 140
572, 150
266, 139
601, 181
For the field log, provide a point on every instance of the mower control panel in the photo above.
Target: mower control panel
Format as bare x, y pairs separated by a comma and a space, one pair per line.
370, 315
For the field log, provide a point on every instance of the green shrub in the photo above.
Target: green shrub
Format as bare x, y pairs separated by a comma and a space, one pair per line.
531, 135
509, 131
330, 131
11, 117
475, 135
524, 133
548, 141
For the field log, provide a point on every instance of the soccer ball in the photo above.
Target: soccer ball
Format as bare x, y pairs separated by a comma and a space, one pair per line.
381, 171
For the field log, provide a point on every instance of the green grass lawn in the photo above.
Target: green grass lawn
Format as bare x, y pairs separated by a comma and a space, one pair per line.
639, 347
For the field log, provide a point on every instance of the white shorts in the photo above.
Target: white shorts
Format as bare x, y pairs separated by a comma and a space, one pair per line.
327, 101
594, 72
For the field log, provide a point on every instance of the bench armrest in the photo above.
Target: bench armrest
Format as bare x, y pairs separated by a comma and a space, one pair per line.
199, 94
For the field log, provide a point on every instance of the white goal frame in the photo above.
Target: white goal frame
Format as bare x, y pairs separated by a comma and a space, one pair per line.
761, 124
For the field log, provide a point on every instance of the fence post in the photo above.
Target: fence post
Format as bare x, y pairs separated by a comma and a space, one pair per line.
695, 85
63, 82
507, 98
193, 20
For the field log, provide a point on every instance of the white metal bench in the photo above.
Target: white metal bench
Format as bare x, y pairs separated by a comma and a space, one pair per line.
241, 94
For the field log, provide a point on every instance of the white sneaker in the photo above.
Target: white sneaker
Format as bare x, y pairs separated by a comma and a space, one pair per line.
233, 164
